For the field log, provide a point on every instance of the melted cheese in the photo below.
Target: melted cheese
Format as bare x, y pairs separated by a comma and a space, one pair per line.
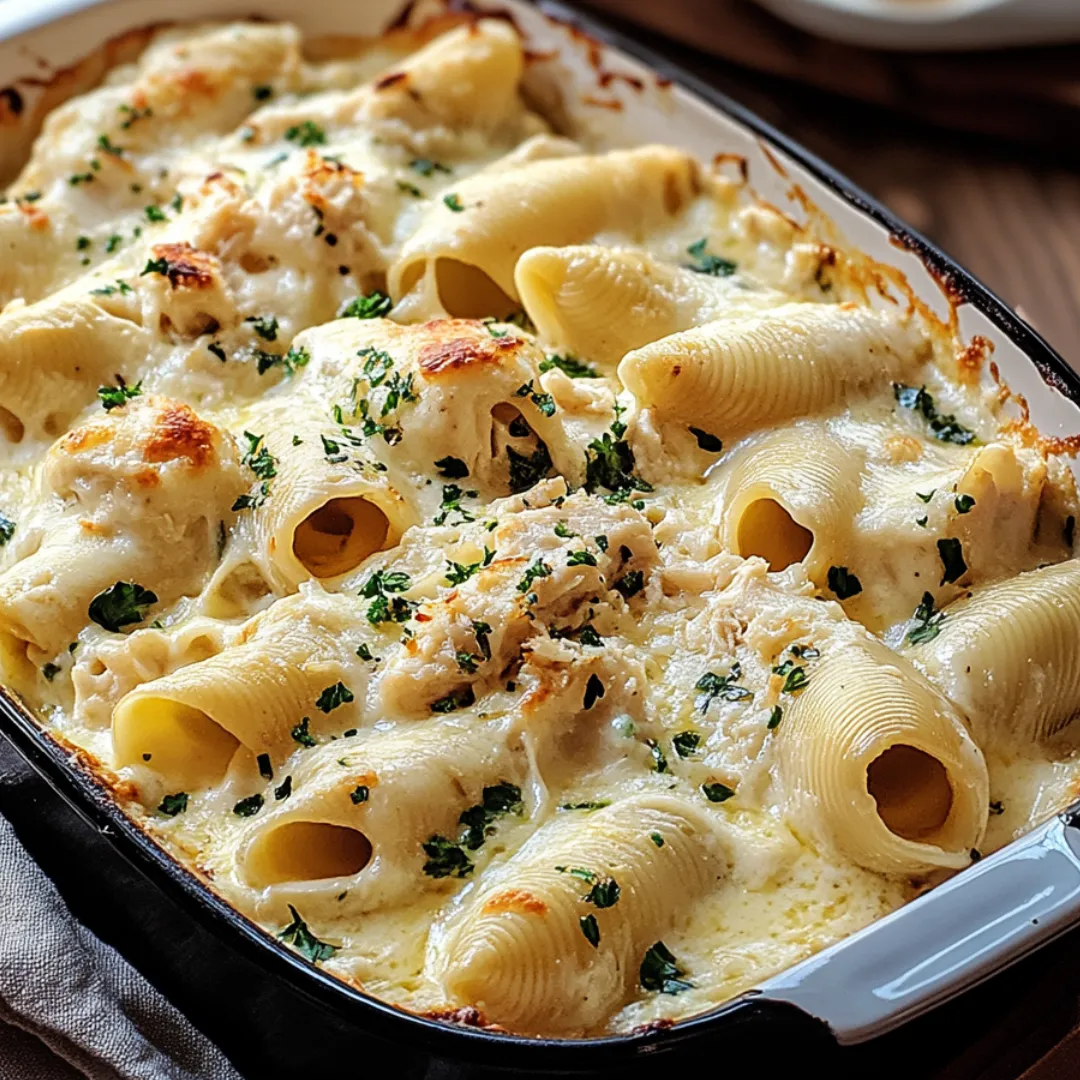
433, 596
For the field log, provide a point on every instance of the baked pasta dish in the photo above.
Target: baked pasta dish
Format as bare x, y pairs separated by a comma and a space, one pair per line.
549, 588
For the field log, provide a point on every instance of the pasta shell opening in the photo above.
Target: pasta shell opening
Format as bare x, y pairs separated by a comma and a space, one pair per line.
768, 530
181, 743
306, 851
466, 292
340, 535
11, 425
912, 790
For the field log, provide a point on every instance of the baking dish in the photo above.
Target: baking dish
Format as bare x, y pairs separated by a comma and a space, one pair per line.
893, 970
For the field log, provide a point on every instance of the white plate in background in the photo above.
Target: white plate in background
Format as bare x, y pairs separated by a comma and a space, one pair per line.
934, 24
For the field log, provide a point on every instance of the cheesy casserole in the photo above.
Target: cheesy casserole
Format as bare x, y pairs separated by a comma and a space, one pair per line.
550, 590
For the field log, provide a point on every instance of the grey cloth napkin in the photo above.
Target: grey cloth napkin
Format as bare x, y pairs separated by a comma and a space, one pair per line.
71, 1006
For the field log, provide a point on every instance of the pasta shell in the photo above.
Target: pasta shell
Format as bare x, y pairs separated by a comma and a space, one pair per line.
879, 765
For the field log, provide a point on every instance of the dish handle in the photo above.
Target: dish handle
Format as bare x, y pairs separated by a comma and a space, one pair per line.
964, 931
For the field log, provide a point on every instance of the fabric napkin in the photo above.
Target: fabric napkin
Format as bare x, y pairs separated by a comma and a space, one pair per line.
70, 1006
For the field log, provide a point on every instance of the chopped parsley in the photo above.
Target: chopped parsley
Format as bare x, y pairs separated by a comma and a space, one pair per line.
332, 451
452, 495
952, 559
253, 499
569, 365
250, 806
108, 146
660, 971
425, 166
527, 471
450, 858
452, 468
598, 804
384, 607
122, 604
709, 443
795, 677
660, 762
306, 133
997, 807
172, 805
453, 202
82, 243
49, 671
630, 584
301, 734
716, 792
155, 266
657, 839
964, 503
304, 941
594, 691
291, 361
265, 327
284, 791
704, 263
581, 558
155, 213
928, 496
409, 189
544, 402
686, 743
482, 630
944, 427
590, 929
266, 770
445, 858
563, 531
113, 397
927, 622
215, 348
7, 529
724, 687
372, 306
377, 365
776, 714
461, 698
467, 662
604, 893
537, 569
458, 573
609, 463
333, 697
262, 92
112, 243
588, 876
359, 794
257, 458
843, 583
109, 290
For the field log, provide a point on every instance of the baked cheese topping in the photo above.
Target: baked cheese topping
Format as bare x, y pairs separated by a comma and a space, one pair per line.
539, 582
